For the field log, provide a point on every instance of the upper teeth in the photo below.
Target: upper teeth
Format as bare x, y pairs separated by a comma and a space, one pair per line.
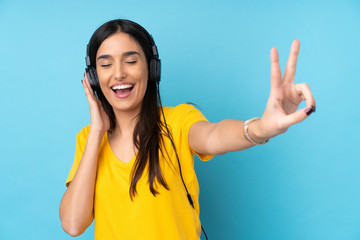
124, 86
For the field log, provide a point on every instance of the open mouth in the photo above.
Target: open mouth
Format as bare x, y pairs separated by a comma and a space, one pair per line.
123, 90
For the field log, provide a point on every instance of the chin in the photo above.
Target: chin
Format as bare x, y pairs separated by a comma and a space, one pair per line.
126, 107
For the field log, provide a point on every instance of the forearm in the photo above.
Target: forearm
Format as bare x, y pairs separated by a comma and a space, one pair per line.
76, 207
228, 136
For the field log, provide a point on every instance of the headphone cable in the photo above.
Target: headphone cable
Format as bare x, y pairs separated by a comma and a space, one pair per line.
177, 156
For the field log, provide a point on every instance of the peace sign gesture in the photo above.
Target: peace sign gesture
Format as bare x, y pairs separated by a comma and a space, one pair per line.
285, 96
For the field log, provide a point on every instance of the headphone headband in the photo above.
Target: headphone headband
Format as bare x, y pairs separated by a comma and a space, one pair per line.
154, 48
87, 58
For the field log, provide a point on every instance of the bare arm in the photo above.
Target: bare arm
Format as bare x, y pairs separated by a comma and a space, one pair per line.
76, 207
222, 137
280, 113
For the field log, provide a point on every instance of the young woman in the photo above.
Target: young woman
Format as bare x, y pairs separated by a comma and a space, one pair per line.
133, 170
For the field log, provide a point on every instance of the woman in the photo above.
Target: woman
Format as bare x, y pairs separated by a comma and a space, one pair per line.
133, 169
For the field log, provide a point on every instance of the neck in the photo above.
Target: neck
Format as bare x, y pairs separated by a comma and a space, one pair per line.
125, 123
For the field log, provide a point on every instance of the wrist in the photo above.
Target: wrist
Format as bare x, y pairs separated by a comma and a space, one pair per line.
96, 133
253, 132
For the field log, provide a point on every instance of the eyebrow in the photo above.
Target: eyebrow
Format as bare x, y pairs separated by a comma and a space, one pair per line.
125, 54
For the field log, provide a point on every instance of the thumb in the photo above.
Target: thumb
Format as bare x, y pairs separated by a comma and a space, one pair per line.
298, 116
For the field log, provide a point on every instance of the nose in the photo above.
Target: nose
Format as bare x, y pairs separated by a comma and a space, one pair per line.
120, 71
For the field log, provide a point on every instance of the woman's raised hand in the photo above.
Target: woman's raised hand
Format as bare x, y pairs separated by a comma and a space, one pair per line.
99, 119
285, 96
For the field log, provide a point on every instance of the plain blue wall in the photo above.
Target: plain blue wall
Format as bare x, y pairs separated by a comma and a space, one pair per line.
301, 185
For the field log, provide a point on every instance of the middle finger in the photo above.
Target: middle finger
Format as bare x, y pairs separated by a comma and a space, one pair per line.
290, 70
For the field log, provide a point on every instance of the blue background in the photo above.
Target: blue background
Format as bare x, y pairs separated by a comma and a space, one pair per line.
302, 185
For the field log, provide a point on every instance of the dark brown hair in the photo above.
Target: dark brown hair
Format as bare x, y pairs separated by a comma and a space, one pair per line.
147, 135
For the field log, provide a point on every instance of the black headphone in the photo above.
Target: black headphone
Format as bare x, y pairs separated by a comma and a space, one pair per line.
154, 66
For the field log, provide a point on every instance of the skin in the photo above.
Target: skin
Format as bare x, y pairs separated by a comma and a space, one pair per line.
76, 207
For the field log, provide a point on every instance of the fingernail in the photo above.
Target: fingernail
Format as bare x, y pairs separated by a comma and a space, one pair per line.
310, 110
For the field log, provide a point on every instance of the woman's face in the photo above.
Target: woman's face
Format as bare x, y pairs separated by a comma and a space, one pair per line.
122, 71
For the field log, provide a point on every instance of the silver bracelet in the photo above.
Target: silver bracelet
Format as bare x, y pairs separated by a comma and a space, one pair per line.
246, 133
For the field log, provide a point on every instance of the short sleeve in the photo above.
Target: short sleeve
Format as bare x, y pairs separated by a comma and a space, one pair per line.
79, 150
191, 115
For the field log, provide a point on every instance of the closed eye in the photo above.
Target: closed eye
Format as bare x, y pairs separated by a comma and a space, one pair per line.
132, 62
105, 65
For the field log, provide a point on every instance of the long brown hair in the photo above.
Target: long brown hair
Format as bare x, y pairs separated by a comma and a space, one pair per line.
147, 135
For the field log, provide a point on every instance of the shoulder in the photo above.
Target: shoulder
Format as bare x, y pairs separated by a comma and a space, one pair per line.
179, 110
183, 115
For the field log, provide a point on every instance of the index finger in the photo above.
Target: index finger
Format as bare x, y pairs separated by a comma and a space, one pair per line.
275, 68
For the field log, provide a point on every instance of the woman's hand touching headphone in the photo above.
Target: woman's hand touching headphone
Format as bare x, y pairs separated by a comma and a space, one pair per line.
100, 122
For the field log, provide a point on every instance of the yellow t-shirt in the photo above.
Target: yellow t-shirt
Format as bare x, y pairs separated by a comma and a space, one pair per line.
169, 215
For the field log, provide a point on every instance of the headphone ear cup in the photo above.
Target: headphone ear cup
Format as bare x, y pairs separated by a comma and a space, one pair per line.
93, 78
155, 70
